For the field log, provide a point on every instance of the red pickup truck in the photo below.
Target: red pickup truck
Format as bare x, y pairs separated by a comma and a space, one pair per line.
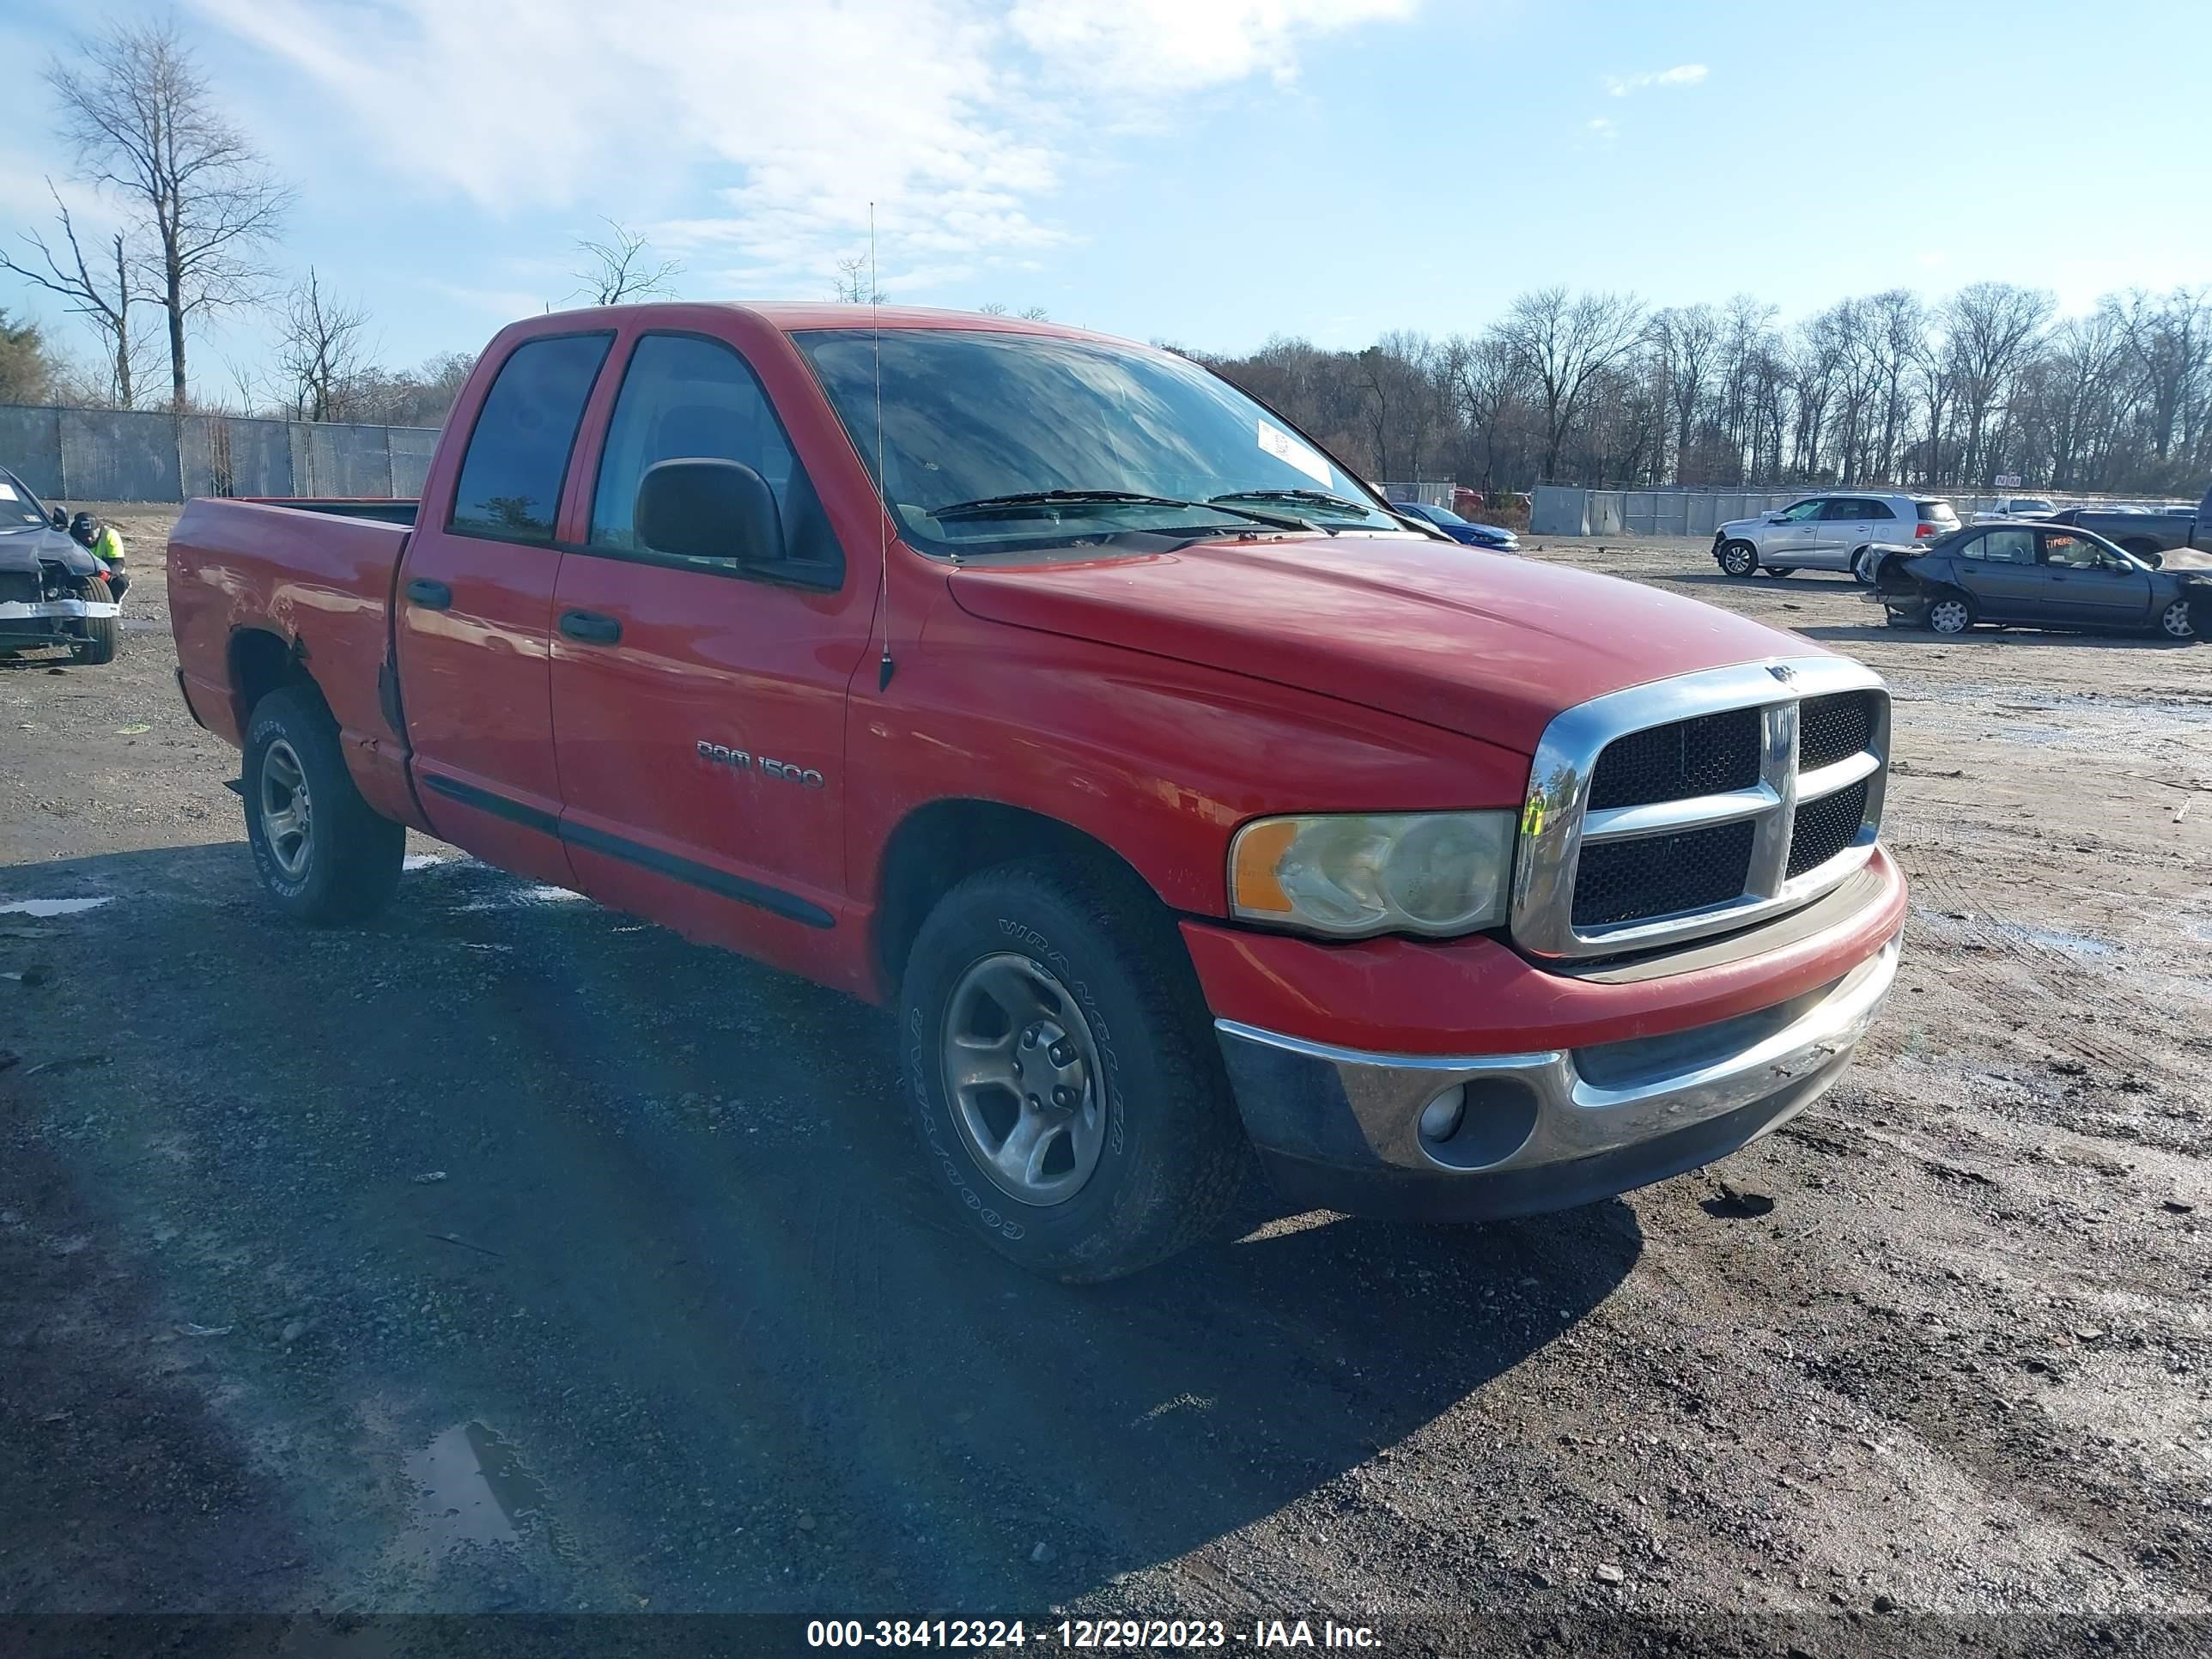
1180, 799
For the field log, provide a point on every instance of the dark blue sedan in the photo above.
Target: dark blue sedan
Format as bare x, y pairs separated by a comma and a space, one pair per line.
1495, 536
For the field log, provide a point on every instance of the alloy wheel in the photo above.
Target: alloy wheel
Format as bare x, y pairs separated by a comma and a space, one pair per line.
286, 813
1022, 1074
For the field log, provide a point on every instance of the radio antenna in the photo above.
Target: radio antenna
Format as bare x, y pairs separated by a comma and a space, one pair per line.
882, 486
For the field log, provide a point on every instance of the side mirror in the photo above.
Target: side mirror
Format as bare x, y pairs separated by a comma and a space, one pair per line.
61, 520
705, 509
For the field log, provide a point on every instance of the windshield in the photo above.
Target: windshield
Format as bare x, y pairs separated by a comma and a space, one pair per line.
971, 418
1441, 515
19, 508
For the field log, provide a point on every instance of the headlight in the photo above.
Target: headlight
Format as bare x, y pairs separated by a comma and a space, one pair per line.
1349, 875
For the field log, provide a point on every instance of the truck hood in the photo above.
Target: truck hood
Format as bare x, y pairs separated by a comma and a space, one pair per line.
1480, 643
26, 549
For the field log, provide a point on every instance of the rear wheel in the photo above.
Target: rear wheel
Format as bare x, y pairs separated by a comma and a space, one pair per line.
1062, 1073
98, 645
1951, 613
2179, 620
323, 855
1738, 558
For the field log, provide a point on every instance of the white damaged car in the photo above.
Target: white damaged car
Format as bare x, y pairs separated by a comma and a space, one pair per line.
53, 594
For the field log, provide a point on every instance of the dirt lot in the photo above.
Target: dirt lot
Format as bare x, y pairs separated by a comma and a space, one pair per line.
511, 1255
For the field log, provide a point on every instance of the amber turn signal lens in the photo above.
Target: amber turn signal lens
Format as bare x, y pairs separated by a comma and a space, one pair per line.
1259, 851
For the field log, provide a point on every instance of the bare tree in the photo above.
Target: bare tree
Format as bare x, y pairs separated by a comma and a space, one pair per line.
1990, 330
622, 267
856, 282
320, 349
142, 120
1562, 344
104, 300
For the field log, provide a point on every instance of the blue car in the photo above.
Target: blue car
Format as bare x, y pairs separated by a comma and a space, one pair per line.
1495, 536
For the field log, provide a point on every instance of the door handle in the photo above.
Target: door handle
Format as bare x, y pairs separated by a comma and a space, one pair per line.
431, 596
590, 627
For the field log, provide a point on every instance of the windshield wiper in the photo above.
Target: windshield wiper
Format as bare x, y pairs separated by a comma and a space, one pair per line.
983, 505
1315, 497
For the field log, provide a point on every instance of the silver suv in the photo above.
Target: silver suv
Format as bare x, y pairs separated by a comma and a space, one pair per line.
1829, 533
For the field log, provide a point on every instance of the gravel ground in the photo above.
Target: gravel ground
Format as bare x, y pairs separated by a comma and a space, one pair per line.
511, 1256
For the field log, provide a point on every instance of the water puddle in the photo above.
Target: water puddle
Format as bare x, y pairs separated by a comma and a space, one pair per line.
473, 1488
52, 907
525, 897
2080, 944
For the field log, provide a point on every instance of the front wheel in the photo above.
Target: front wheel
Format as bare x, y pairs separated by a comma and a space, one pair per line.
1063, 1074
2178, 622
323, 855
1951, 613
1738, 558
98, 645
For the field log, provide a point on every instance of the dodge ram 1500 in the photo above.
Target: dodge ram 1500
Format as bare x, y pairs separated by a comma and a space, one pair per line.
1180, 799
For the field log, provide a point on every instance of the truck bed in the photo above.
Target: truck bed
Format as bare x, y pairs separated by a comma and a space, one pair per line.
308, 580
377, 509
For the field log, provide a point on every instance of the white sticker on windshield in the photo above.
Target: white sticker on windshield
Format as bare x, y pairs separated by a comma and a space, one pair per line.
1283, 447
7, 490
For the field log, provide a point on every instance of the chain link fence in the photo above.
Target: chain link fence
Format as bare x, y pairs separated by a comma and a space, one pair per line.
136, 455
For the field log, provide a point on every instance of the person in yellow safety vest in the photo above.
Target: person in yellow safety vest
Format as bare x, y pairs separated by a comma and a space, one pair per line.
103, 544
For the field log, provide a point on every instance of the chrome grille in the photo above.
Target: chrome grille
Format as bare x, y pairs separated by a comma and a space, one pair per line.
1656, 875
1835, 727
1689, 757
1694, 806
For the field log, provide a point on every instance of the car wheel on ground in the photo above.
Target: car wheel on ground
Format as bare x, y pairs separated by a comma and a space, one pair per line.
98, 645
1738, 558
1062, 1074
2179, 620
1951, 613
321, 852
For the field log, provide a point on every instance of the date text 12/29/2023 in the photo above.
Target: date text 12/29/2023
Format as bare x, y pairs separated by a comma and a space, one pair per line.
1125, 1634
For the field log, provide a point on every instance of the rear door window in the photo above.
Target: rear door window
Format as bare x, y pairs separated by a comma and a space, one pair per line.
1844, 506
518, 455
1879, 510
2009, 546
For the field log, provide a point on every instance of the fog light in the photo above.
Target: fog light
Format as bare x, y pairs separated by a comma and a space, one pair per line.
1442, 1115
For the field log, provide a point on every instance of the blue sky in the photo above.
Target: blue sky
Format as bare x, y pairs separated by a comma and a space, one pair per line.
1208, 172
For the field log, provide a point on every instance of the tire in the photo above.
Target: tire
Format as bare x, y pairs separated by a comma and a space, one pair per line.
1092, 962
1950, 612
1779, 569
1738, 558
97, 647
2182, 622
321, 853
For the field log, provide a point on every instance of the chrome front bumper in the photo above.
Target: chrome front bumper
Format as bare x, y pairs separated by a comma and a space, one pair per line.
1340, 1128
32, 609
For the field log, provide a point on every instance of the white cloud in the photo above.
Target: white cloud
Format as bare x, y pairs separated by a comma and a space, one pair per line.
1682, 75
955, 117
1603, 129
